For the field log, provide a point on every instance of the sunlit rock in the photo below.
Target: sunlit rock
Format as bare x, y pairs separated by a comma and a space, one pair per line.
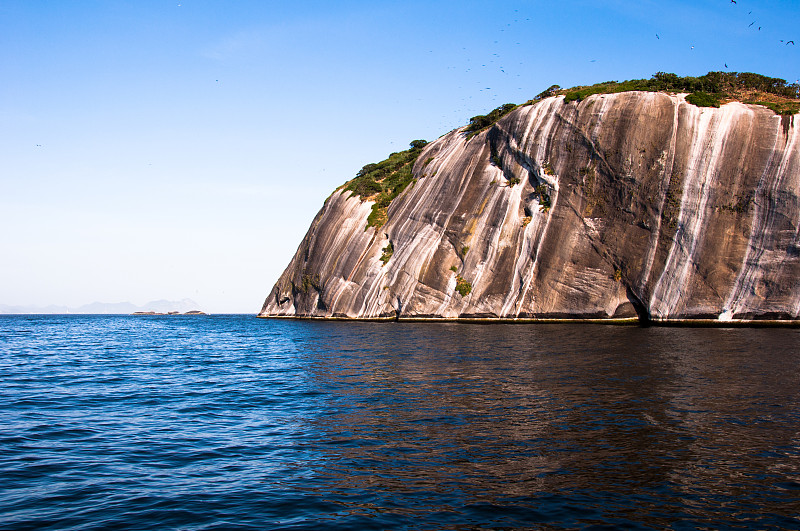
627, 205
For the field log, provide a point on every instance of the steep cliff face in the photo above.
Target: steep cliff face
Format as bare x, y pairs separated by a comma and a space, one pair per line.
621, 205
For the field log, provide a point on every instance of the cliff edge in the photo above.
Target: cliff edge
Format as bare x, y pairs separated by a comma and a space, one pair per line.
627, 205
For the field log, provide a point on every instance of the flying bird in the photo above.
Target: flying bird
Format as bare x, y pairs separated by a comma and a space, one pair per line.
752, 23
788, 42
657, 37
733, 1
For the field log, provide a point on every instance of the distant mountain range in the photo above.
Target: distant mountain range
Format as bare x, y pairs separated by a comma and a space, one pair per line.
160, 306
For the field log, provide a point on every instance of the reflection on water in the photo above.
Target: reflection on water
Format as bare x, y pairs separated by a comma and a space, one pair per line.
232, 422
651, 425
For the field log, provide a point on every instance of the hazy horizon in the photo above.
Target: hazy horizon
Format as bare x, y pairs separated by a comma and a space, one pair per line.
173, 150
104, 307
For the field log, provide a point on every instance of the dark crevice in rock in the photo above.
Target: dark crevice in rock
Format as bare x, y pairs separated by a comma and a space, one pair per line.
640, 307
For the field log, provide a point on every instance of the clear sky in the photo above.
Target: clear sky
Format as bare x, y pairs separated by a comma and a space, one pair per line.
170, 149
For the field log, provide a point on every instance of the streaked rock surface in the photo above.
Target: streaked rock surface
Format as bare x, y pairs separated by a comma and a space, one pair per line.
657, 208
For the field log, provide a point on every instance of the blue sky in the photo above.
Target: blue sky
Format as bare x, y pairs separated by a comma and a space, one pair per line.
180, 149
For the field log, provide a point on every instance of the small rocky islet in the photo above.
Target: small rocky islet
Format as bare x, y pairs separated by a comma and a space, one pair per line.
191, 312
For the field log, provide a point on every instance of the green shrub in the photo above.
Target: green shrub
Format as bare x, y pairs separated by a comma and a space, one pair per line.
463, 286
550, 91
484, 121
703, 99
706, 91
388, 251
541, 192
385, 180
453, 269
785, 108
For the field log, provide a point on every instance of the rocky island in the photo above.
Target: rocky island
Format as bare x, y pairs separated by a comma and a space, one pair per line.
664, 200
191, 312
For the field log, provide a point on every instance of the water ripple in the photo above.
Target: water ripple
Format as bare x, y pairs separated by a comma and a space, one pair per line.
229, 422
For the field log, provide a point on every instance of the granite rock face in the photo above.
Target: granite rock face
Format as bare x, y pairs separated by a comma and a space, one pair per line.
621, 205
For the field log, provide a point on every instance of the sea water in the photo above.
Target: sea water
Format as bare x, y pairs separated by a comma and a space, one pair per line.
232, 422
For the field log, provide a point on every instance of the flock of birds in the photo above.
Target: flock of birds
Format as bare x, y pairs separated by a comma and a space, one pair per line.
495, 60
759, 27
786, 43
500, 65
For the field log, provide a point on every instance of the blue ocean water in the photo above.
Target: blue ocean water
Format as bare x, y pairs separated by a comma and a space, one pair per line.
231, 422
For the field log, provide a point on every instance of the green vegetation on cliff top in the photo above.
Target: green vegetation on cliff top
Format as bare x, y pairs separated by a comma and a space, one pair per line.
485, 121
383, 181
709, 90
